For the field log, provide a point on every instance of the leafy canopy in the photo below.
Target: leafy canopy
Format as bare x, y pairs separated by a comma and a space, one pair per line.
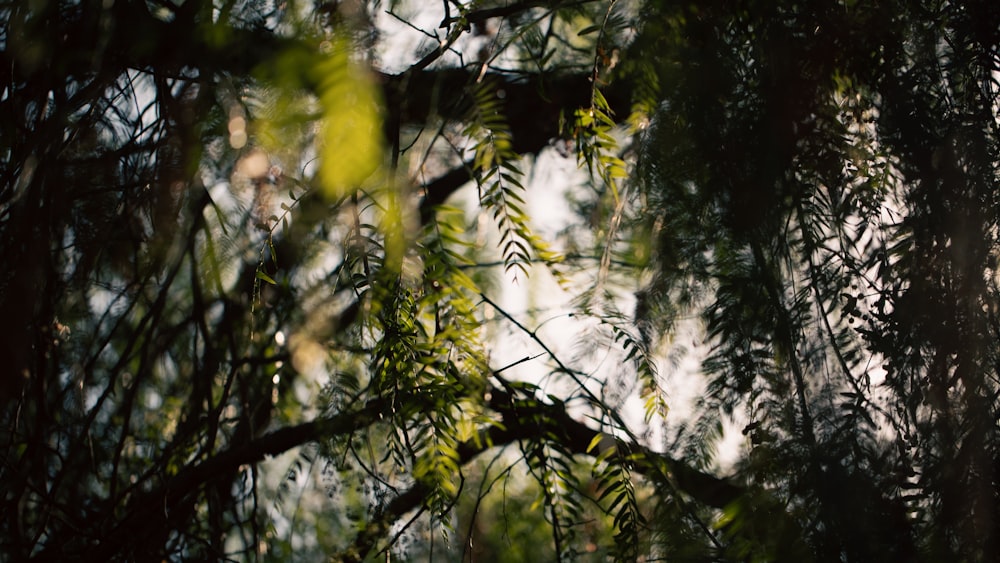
257, 252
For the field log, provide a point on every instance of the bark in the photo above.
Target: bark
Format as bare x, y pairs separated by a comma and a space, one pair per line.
529, 420
535, 107
522, 420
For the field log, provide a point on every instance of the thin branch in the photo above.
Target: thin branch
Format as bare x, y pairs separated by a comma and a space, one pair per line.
158, 508
527, 420
479, 16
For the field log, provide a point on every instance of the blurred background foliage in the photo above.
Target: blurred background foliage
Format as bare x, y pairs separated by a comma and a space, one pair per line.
501, 281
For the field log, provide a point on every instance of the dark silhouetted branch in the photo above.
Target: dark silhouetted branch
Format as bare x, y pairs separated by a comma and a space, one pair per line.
533, 420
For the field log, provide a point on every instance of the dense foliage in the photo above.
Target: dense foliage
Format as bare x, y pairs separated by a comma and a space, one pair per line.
256, 257
825, 181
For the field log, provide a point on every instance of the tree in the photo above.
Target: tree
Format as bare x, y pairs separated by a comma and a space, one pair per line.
233, 233
824, 191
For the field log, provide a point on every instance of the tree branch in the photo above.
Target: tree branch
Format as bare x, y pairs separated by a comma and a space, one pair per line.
153, 510
523, 419
536, 106
479, 16
531, 420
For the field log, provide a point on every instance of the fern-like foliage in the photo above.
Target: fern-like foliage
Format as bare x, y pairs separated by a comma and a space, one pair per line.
616, 482
499, 178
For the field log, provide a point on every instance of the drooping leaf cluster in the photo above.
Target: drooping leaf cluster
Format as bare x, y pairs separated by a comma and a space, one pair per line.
821, 181
247, 272
231, 290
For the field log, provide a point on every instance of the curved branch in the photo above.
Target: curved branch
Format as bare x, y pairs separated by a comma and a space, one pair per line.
535, 106
523, 419
528, 420
155, 510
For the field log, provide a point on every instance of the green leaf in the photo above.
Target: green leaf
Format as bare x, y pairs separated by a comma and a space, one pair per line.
593, 442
